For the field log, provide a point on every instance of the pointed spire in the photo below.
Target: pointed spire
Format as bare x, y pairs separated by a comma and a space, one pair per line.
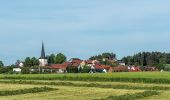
42, 52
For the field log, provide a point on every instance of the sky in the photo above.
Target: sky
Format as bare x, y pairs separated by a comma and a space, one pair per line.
82, 28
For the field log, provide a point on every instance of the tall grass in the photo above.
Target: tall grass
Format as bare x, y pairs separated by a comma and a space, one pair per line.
141, 77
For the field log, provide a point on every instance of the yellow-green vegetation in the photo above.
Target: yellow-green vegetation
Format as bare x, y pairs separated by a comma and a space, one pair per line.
140, 77
90, 87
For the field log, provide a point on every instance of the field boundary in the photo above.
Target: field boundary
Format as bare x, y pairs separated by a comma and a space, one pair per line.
25, 91
132, 96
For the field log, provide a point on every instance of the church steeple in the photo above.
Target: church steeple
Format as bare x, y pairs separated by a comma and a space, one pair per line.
43, 61
42, 52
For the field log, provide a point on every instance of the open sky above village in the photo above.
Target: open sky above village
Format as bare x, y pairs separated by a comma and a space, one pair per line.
82, 28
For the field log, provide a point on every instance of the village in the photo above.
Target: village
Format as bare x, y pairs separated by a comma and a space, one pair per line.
76, 65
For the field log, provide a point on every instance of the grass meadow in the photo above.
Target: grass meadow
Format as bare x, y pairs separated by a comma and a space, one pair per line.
111, 86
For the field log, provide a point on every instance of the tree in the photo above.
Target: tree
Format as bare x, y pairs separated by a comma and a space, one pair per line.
25, 70
34, 61
28, 62
72, 69
109, 56
156, 59
1, 64
51, 59
85, 69
60, 58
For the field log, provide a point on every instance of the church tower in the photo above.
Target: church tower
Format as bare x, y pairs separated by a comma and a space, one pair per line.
43, 61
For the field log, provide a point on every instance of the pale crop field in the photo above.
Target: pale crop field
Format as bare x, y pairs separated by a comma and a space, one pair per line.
66, 93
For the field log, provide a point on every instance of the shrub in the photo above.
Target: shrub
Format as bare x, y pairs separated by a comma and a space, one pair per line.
25, 70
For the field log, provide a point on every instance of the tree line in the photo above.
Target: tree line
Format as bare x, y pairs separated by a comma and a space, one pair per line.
52, 59
100, 57
153, 59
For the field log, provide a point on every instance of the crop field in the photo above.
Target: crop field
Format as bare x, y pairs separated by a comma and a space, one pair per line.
111, 86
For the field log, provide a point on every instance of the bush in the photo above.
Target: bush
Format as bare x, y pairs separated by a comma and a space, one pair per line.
72, 69
25, 70
86, 69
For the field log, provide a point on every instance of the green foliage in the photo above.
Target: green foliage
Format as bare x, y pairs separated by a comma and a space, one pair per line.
100, 57
51, 59
25, 91
156, 59
25, 70
1, 64
29, 62
72, 69
85, 69
133, 96
167, 67
106, 62
143, 77
34, 61
6, 70
57, 59
60, 58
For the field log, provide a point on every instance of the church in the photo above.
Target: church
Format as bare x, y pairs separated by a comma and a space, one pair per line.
43, 60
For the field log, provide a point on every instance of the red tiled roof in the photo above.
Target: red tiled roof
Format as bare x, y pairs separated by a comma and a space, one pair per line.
103, 67
120, 68
58, 66
67, 63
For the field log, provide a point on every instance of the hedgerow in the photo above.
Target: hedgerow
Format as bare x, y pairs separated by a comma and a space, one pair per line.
25, 91
132, 96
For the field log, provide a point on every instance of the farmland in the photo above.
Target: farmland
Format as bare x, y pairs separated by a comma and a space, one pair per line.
113, 86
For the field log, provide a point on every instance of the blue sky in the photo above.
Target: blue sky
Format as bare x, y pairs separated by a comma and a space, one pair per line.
81, 28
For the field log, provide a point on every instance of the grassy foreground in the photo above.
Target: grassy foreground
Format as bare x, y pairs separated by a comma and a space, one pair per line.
142, 77
115, 86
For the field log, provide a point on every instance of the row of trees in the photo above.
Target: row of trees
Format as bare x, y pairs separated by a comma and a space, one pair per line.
100, 57
156, 59
29, 62
56, 59
106, 59
52, 59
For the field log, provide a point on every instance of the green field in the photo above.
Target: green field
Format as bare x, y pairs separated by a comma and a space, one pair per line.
115, 86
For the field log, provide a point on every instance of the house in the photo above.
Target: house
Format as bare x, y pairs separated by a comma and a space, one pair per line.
134, 68
59, 68
74, 62
120, 69
21, 64
89, 63
121, 63
103, 68
17, 70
